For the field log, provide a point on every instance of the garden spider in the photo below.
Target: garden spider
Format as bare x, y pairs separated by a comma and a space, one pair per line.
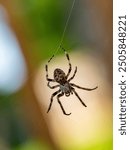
65, 87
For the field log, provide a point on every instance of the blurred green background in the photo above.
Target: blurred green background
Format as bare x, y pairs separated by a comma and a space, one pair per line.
30, 31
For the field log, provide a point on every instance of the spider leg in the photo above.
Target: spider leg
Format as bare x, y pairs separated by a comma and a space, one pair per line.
73, 74
58, 98
79, 97
52, 87
67, 56
52, 100
48, 79
50, 58
83, 87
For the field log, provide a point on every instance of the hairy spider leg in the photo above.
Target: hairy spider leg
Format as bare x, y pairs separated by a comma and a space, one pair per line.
48, 79
58, 98
79, 97
52, 96
83, 87
67, 56
73, 74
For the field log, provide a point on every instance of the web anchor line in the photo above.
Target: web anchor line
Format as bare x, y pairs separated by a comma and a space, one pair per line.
63, 34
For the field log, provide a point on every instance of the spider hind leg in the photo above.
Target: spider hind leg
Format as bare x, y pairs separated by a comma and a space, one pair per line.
58, 98
52, 96
79, 98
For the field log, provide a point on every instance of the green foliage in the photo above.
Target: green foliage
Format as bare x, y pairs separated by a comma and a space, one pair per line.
33, 145
95, 145
46, 21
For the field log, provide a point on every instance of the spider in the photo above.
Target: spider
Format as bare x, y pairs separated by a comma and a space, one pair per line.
65, 87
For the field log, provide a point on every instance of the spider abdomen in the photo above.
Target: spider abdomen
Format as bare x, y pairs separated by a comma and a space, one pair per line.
59, 76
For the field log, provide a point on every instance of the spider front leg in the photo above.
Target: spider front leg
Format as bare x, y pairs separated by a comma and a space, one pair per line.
48, 79
83, 87
52, 96
67, 56
73, 74
58, 98
79, 97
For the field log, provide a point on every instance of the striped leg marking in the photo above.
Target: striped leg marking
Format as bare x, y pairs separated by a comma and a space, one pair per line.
73, 74
48, 79
67, 56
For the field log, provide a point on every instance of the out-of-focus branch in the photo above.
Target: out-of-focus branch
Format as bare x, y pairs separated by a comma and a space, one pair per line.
29, 103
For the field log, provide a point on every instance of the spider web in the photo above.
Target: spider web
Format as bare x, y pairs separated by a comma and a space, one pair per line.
63, 34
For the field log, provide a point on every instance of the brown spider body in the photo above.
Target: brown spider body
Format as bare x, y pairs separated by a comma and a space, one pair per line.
60, 76
65, 87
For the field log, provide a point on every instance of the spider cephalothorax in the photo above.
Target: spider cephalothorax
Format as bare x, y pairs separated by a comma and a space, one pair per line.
65, 87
